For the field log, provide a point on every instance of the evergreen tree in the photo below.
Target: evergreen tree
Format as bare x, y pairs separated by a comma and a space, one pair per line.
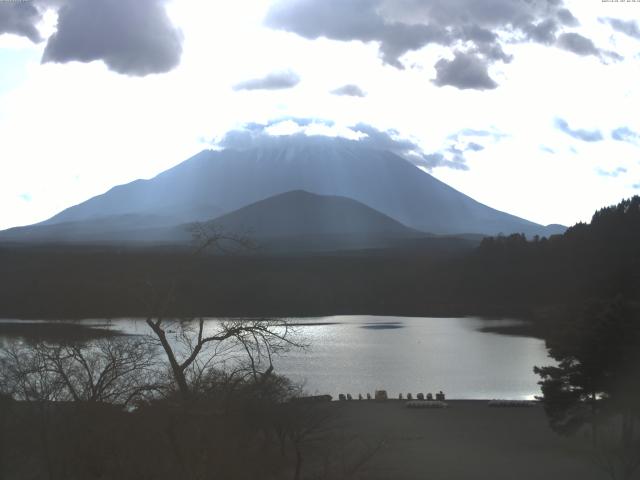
596, 381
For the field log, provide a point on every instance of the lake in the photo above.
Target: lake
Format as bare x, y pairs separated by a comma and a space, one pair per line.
360, 353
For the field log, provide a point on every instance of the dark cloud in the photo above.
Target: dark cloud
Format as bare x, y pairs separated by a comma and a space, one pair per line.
389, 140
133, 37
576, 43
486, 43
401, 26
543, 32
20, 18
254, 135
465, 71
456, 158
349, 90
272, 81
453, 156
353, 20
580, 45
612, 173
628, 27
567, 18
580, 134
519, 18
625, 134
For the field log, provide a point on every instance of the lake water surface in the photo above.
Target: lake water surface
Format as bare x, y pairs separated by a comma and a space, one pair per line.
360, 354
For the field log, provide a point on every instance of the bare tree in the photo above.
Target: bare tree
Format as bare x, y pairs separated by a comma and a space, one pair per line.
108, 371
191, 347
194, 350
113, 371
25, 375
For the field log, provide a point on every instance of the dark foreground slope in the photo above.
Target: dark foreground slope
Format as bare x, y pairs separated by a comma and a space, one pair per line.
466, 440
337, 440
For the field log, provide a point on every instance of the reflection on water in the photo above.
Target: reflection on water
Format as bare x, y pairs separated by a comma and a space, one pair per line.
360, 354
382, 326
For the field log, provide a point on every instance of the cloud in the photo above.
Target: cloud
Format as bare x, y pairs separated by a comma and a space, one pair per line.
628, 27
349, 90
543, 32
451, 157
475, 147
391, 140
567, 18
611, 173
132, 38
401, 26
255, 135
272, 81
470, 132
465, 71
579, 134
581, 45
20, 18
578, 44
636, 186
353, 20
26, 197
461, 136
625, 134
260, 135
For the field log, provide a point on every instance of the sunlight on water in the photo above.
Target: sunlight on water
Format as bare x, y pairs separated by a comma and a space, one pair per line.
360, 354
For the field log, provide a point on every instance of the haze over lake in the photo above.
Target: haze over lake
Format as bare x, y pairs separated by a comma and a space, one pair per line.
360, 354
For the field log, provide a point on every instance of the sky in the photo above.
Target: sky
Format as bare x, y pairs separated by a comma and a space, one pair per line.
528, 106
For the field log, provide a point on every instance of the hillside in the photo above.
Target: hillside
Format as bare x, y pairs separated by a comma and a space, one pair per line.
295, 221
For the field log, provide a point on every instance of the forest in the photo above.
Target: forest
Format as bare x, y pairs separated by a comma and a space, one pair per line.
503, 275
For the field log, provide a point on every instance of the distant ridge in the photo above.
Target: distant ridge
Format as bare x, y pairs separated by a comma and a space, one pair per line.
303, 220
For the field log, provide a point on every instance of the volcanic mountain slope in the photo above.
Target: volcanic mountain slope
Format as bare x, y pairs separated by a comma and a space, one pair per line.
217, 182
